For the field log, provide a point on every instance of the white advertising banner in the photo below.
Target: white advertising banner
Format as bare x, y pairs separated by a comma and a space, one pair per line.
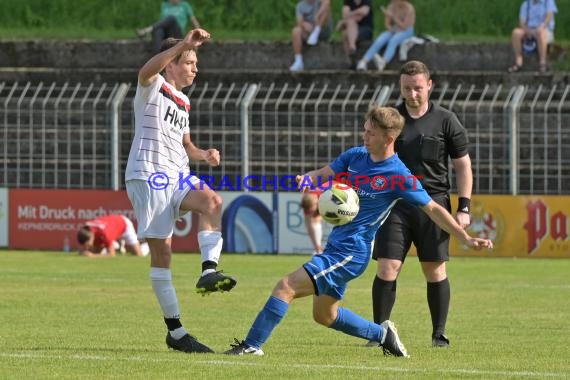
293, 237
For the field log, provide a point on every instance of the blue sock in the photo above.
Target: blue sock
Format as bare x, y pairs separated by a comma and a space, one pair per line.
267, 319
353, 324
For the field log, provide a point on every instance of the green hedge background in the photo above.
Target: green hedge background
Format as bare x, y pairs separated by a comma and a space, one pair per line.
255, 19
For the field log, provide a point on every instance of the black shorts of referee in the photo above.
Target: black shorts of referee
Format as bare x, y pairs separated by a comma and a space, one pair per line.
408, 224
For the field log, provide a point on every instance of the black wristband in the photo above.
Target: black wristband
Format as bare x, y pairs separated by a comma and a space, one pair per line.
464, 205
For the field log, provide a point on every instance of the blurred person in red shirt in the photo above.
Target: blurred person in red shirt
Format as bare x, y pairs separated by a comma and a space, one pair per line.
98, 237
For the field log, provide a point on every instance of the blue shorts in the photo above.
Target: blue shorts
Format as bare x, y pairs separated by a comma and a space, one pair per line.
331, 271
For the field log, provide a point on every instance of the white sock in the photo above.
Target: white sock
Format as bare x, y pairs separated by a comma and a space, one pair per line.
161, 279
318, 228
210, 243
317, 30
298, 58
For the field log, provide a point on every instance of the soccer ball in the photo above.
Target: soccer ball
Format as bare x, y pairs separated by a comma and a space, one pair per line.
339, 205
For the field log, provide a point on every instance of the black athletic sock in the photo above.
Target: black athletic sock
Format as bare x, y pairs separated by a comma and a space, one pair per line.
175, 328
438, 296
383, 299
172, 323
209, 265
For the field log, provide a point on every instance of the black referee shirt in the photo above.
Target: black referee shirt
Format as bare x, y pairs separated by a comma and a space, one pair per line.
425, 144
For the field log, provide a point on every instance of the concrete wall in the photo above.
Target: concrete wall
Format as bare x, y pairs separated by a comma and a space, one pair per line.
120, 60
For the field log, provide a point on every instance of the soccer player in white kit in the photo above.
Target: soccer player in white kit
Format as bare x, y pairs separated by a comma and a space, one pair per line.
159, 183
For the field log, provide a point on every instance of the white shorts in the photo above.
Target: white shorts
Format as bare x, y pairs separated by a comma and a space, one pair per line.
156, 210
130, 235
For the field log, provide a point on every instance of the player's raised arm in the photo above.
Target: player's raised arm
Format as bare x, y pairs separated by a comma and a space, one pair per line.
305, 181
148, 73
446, 222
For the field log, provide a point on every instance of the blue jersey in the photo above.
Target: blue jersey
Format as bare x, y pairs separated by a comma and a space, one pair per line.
379, 186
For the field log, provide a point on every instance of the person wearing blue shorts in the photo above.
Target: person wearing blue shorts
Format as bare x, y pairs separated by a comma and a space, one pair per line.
347, 252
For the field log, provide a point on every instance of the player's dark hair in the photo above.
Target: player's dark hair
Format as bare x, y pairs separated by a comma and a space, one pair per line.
415, 68
170, 42
167, 44
84, 234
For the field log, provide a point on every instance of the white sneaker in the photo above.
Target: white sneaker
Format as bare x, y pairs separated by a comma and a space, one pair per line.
297, 66
313, 38
379, 62
362, 66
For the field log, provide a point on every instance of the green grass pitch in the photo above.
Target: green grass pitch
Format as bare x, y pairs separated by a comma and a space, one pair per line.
67, 317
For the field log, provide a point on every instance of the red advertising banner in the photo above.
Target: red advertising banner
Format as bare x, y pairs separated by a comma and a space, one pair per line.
46, 219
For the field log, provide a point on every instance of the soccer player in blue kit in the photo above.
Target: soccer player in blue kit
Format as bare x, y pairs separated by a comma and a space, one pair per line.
347, 252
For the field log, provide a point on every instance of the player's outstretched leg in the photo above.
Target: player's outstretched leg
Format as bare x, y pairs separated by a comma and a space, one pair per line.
391, 343
188, 344
215, 282
266, 321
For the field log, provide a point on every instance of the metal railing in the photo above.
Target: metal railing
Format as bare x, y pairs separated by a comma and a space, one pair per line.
79, 135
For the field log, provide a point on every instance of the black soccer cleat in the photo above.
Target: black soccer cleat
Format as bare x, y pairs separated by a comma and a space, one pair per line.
188, 344
215, 282
440, 341
241, 348
391, 345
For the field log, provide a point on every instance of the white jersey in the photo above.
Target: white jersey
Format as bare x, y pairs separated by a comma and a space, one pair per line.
161, 120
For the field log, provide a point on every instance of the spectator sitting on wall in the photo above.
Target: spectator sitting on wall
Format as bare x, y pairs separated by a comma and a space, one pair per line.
535, 32
399, 19
357, 25
314, 24
174, 17
97, 237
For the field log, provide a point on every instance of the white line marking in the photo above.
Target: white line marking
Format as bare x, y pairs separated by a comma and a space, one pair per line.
39, 356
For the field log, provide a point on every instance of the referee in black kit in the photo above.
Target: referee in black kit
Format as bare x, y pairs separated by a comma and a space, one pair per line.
431, 135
